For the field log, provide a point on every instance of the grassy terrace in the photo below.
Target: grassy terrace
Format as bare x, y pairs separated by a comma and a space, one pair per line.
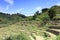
58, 16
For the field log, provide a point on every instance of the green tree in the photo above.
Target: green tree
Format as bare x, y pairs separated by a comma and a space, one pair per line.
35, 15
51, 13
45, 9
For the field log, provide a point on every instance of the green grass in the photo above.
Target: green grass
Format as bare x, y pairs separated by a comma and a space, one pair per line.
22, 31
21, 36
17, 28
58, 16
58, 37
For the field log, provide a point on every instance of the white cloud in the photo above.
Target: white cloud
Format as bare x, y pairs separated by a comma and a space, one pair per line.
7, 7
9, 1
19, 10
38, 8
2, 9
58, 4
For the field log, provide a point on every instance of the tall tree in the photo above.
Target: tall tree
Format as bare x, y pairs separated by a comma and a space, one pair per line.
51, 13
35, 15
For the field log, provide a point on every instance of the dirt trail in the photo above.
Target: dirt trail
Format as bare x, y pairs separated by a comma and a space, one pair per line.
56, 30
50, 34
36, 36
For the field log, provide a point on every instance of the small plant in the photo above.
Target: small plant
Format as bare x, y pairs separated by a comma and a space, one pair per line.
9, 38
21, 36
58, 37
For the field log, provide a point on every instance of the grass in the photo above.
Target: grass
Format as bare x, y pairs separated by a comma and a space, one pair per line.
56, 38
58, 16
33, 36
21, 36
22, 30
17, 28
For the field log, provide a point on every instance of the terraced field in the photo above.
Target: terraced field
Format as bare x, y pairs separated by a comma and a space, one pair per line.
54, 29
31, 30
17, 28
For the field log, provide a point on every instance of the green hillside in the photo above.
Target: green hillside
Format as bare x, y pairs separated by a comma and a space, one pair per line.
40, 26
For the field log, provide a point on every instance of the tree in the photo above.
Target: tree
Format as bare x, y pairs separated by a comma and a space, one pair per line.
45, 9
35, 15
21, 15
51, 13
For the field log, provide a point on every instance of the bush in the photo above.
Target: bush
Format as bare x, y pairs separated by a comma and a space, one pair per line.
51, 13
35, 15
58, 38
44, 10
22, 36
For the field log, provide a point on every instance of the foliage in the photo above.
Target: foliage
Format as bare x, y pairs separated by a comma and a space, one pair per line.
21, 36
58, 37
51, 13
35, 15
44, 10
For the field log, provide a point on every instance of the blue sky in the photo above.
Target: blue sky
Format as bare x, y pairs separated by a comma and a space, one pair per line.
26, 7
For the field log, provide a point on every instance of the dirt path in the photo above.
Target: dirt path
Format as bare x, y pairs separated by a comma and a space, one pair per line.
36, 36
50, 34
56, 30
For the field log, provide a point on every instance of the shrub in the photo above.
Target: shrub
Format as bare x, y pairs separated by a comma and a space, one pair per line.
51, 13
58, 38
22, 36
